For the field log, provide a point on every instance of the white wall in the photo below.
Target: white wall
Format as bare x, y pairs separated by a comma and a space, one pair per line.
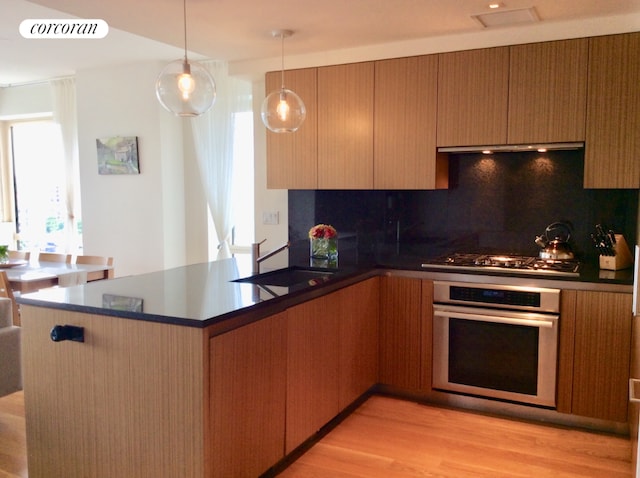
137, 219
267, 199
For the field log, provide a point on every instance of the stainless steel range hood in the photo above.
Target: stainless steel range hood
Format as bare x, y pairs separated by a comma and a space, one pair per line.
511, 148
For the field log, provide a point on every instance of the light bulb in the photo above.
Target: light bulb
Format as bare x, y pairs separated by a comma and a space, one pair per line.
283, 107
186, 85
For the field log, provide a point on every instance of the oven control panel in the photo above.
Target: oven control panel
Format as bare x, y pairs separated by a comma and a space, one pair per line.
497, 296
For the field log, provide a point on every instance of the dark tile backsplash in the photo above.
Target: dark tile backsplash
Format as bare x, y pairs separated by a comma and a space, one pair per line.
495, 203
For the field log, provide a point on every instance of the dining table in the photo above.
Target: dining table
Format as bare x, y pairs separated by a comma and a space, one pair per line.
29, 276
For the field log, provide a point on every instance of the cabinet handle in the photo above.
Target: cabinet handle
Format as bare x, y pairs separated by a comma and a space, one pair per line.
632, 390
67, 332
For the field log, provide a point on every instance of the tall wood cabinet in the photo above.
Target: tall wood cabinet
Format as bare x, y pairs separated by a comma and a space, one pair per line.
612, 151
594, 358
405, 125
473, 93
292, 158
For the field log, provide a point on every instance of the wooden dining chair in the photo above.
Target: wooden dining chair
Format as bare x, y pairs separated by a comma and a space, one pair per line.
97, 260
19, 255
7, 291
53, 257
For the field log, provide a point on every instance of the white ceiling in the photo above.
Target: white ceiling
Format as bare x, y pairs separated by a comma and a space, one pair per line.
239, 30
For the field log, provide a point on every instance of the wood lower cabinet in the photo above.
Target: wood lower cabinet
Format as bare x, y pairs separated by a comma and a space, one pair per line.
400, 332
332, 357
612, 150
248, 370
595, 344
313, 350
128, 401
358, 314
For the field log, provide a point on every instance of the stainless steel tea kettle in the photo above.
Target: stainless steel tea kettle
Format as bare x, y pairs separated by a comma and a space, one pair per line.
555, 242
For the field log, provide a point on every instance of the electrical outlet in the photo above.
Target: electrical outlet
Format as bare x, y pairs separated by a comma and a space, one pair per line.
271, 218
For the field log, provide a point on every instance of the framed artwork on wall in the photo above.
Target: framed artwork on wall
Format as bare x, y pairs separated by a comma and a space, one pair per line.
118, 155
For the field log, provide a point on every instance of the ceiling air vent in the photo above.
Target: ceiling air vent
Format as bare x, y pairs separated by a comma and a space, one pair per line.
506, 18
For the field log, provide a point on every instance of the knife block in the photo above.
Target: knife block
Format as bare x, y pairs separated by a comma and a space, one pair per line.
621, 260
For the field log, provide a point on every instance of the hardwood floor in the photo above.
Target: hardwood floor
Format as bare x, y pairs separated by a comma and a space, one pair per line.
392, 438
13, 444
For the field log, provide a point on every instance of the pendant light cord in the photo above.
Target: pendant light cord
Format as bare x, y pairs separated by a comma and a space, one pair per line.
282, 60
184, 17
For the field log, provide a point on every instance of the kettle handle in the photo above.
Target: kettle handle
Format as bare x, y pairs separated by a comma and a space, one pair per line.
558, 226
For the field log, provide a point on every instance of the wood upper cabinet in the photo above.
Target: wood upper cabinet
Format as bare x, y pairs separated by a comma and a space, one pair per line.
345, 126
400, 332
405, 125
292, 158
547, 92
248, 370
595, 344
473, 97
612, 150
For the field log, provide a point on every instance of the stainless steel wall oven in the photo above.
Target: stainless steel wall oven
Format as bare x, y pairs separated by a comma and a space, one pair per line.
496, 341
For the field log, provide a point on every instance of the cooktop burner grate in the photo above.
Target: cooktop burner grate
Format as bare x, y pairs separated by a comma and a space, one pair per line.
505, 263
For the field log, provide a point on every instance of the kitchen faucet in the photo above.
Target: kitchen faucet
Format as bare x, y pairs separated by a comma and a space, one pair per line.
255, 254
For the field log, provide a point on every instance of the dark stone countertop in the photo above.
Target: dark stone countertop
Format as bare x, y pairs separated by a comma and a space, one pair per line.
200, 295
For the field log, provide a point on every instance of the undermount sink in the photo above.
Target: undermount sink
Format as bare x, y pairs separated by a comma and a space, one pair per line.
291, 276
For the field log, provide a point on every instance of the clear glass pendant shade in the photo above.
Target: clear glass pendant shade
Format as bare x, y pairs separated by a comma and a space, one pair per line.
185, 88
283, 111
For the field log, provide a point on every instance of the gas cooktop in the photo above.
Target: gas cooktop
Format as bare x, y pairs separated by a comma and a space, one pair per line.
513, 264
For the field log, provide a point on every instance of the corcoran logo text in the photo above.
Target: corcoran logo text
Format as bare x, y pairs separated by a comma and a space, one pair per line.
64, 28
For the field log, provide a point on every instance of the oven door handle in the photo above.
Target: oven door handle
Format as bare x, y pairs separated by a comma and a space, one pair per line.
496, 319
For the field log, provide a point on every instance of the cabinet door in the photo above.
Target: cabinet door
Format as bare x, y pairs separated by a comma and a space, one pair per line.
312, 369
400, 332
405, 124
128, 401
612, 150
547, 92
427, 335
602, 355
345, 126
358, 311
292, 158
248, 369
472, 97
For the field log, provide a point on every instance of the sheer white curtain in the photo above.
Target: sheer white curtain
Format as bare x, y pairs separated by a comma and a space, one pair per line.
65, 115
213, 143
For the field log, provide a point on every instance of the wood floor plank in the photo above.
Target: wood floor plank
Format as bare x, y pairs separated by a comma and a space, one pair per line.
392, 438
13, 443
387, 437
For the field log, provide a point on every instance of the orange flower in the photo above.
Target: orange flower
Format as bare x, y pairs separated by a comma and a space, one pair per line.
322, 231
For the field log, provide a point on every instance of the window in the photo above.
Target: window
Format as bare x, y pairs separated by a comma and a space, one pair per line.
242, 192
40, 186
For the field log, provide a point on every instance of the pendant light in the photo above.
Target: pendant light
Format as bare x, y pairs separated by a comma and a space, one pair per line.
185, 88
282, 110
